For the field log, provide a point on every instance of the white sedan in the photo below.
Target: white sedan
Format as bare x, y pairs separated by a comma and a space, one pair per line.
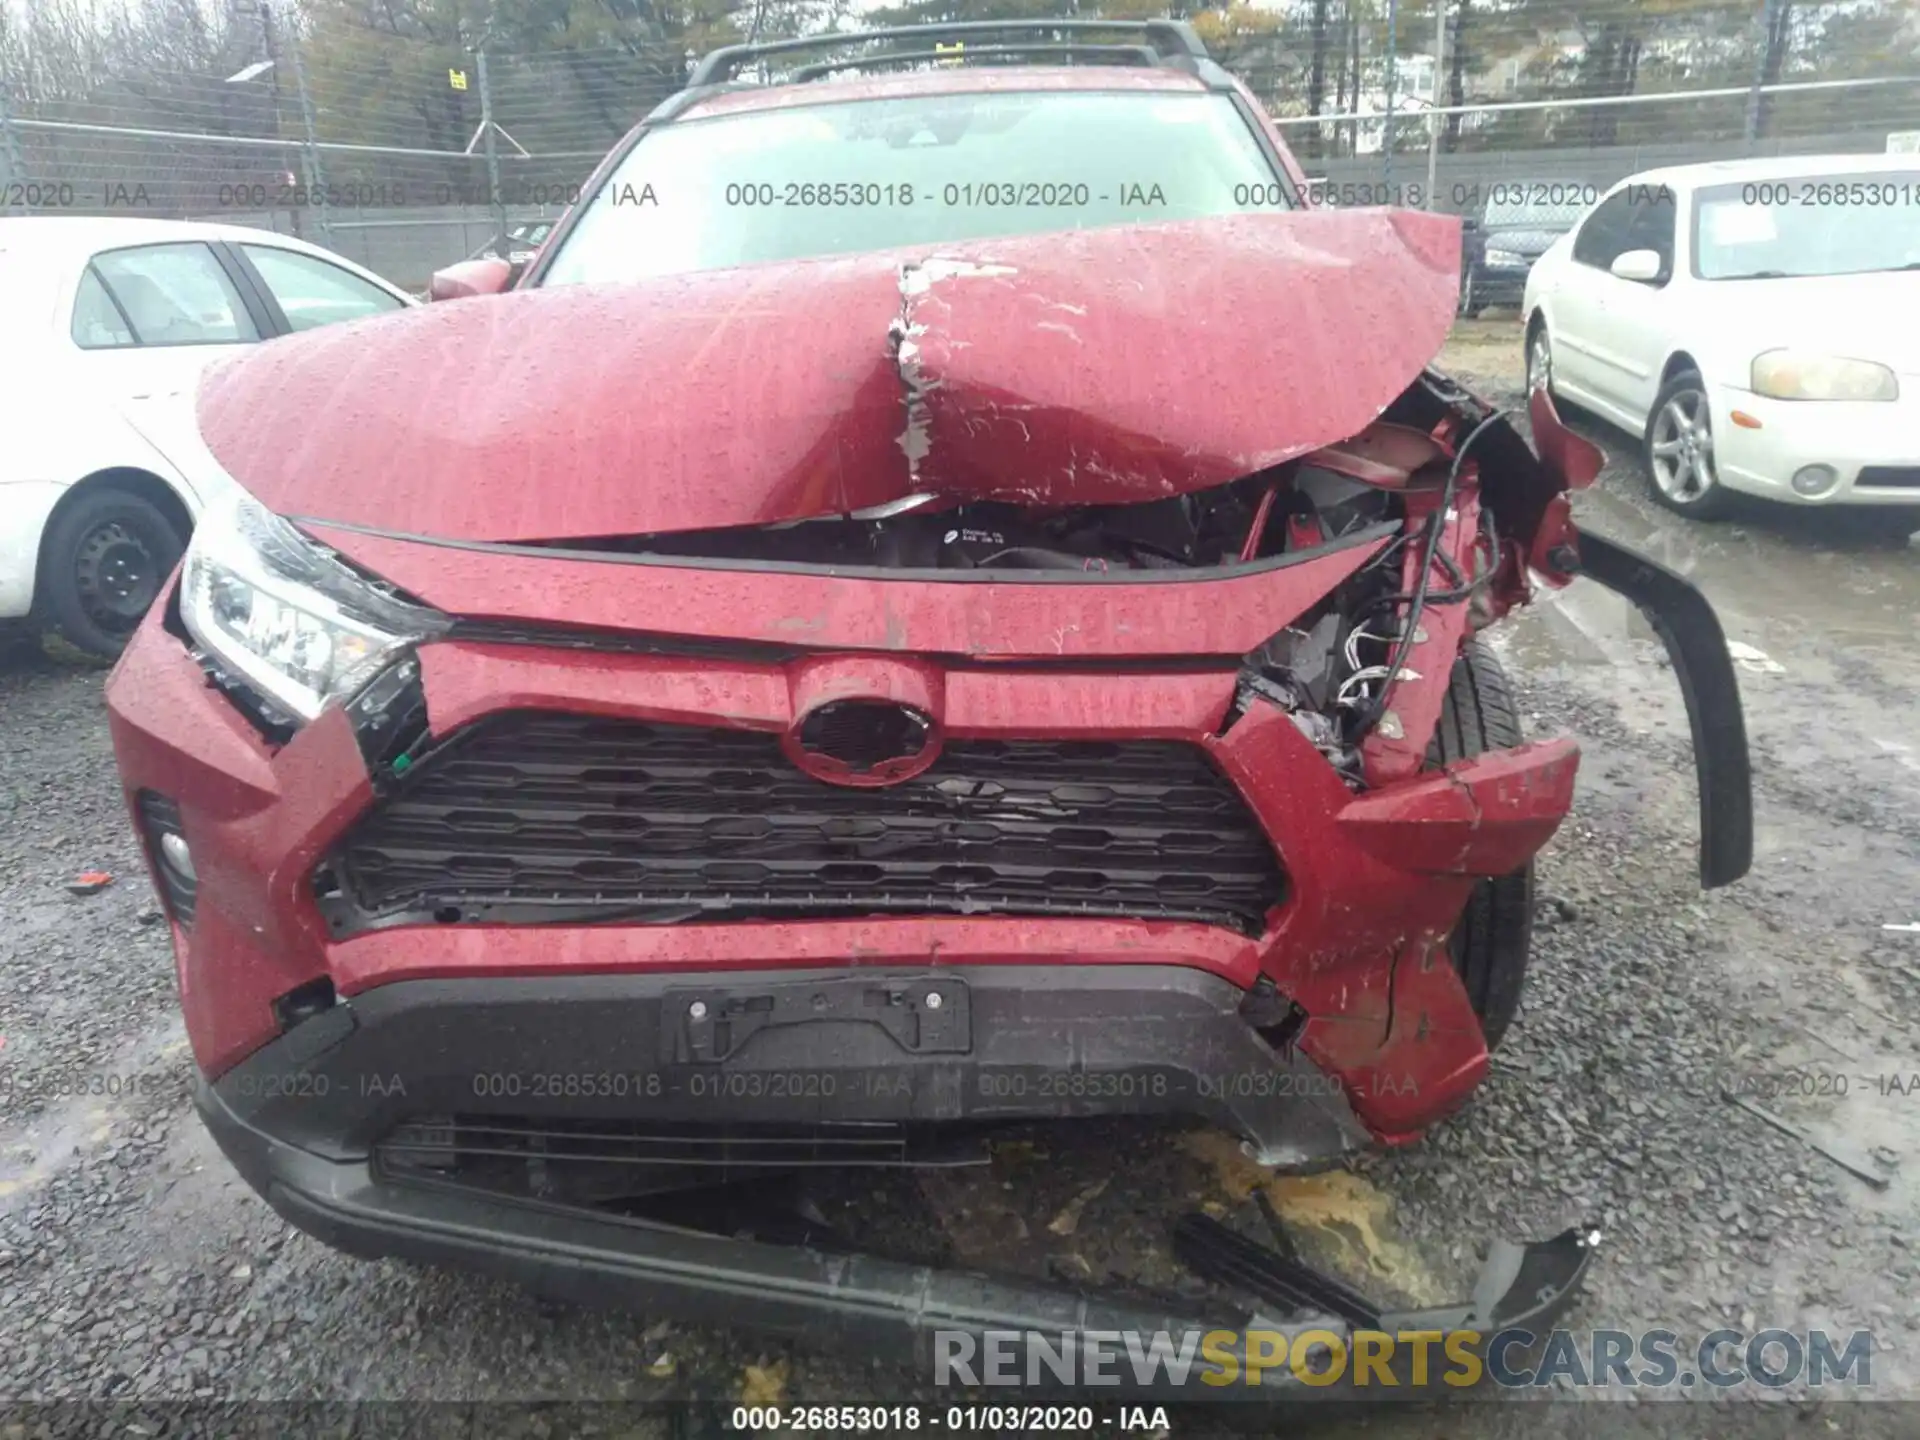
109, 325
1755, 322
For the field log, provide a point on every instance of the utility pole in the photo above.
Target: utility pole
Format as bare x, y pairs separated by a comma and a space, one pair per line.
316, 177
1433, 110
1756, 99
1393, 74
493, 161
273, 73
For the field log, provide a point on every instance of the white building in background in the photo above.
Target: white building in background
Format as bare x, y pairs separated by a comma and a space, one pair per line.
1523, 65
1415, 77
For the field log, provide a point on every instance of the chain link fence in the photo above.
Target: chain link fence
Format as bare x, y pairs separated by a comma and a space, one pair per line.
406, 152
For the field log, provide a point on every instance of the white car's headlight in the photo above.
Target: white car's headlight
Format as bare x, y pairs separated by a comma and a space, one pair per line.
1806, 375
286, 615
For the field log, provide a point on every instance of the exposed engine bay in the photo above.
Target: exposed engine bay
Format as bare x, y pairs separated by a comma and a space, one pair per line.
1328, 495
1398, 484
1215, 527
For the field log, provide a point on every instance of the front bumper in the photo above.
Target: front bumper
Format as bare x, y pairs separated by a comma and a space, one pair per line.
1376, 881
1341, 1022
912, 1046
1881, 437
301, 1118
880, 1308
870, 1305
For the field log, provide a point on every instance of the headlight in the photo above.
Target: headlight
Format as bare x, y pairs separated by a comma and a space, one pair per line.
1803, 375
1505, 257
287, 616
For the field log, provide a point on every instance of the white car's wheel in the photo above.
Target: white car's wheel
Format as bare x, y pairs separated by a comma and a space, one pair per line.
1540, 361
1679, 449
104, 560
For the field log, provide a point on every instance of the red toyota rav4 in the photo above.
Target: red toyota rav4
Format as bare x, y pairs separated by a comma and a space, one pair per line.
945, 596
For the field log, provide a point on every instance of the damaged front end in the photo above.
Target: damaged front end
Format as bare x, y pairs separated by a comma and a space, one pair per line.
899, 696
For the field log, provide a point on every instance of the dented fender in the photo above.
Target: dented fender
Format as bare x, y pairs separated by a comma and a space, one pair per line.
1486, 815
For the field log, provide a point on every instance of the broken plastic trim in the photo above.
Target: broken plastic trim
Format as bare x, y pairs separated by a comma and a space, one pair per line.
1520, 1287
1686, 624
389, 720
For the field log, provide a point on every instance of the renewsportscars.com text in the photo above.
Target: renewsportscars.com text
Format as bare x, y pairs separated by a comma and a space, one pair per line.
1380, 1360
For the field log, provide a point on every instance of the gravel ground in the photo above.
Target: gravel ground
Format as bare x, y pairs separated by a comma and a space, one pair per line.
135, 1268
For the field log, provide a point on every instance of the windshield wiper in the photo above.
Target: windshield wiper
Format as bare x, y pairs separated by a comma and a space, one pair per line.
1758, 275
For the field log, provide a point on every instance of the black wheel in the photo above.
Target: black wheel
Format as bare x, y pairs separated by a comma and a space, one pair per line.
1491, 943
1540, 360
1678, 450
103, 562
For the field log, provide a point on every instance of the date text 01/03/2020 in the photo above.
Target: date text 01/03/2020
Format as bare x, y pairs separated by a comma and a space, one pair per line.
983, 1419
691, 1083
874, 194
696, 1084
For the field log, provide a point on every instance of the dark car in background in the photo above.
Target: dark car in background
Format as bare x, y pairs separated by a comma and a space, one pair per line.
523, 242
1511, 225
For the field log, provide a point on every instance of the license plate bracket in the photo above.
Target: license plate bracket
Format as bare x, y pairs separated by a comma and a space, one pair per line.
924, 1015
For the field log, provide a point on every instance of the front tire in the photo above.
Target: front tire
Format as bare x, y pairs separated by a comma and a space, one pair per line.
1678, 450
1540, 360
102, 563
1493, 940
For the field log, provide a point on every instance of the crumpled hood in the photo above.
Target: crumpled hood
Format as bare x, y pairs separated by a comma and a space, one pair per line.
1099, 366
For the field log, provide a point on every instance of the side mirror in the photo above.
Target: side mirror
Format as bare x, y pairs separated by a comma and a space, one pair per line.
488, 276
1642, 266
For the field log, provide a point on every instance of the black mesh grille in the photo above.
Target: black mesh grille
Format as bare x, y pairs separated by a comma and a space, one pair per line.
549, 814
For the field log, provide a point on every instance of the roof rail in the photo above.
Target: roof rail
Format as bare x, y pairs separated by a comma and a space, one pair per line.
1106, 54
1169, 41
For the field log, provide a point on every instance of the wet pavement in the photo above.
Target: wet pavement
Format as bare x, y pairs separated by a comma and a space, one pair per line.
133, 1264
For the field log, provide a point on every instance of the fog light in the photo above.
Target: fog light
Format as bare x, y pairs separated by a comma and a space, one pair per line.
1813, 480
173, 850
173, 870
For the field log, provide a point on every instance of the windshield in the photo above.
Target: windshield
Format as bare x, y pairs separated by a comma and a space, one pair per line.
874, 174
1553, 204
1808, 225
